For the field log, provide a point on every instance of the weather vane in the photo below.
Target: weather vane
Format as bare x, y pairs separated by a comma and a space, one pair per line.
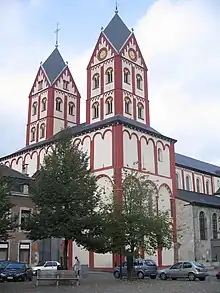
57, 34
116, 6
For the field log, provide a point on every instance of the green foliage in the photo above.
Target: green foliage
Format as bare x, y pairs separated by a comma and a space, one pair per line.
8, 222
65, 194
132, 220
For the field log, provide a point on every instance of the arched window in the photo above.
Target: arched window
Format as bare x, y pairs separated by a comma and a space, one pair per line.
188, 183
71, 108
140, 111
43, 104
202, 226
109, 75
198, 185
177, 181
95, 109
214, 226
96, 81
127, 106
33, 133
160, 155
42, 130
139, 82
109, 106
58, 104
34, 108
207, 186
126, 76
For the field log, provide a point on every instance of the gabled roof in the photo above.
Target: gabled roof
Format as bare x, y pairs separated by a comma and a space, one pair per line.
85, 128
184, 161
117, 32
54, 65
5, 171
198, 198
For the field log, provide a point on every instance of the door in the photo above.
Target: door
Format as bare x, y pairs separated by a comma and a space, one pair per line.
187, 268
48, 266
175, 270
54, 265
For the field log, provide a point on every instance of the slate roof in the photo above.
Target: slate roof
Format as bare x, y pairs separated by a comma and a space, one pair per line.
190, 163
5, 171
117, 32
54, 65
199, 198
85, 128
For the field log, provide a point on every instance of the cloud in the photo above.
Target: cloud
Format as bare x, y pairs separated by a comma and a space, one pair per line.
179, 41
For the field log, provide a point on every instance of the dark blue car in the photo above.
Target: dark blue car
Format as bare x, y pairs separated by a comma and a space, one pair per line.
13, 271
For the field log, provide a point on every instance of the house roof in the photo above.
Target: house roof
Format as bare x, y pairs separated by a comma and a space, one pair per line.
6, 171
54, 65
85, 128
117, 32
194, 164
200, 199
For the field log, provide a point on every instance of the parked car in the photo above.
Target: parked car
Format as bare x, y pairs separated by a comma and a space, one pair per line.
186, 269
15, 271
46, 266
142, 268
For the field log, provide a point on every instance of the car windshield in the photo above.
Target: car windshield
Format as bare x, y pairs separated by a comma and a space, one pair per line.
150, 263
15, 266
199, 265
41, 264
3, 264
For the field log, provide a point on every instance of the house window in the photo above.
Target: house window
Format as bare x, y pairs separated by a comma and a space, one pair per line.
4, 250
140, 111
34, 108
127, 106
65, 85
198, 185
96, 81
160, 155
109, 75
139, 82
95, 109
24, 252
207, 186
42, 130
71, 108
214, 226
58, 104
109, 105
24, 217
126, 76
202, 226
177, 180
188, 183
43, 104
33, 133
40, 85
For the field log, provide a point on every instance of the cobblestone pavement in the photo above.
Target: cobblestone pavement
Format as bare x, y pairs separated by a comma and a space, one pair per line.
105, 283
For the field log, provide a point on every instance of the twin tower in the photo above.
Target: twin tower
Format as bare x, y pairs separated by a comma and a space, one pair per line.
116, 85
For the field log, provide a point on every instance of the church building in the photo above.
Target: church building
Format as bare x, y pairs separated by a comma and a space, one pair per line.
118, 136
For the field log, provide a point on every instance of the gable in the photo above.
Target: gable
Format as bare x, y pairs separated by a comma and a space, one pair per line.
41, 76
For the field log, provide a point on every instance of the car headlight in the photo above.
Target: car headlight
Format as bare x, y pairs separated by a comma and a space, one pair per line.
2, 275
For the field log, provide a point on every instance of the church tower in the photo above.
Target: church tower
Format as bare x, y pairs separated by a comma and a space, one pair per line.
117, 76
54, 100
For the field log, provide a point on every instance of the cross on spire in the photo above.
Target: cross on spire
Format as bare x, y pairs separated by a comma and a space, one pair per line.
57, 35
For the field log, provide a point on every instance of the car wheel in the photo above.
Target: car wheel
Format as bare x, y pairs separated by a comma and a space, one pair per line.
202, 279
191, 277
140, 275
163, 276
116, 275
153, 277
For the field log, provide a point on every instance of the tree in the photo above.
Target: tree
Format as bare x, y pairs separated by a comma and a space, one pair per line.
65, 194
133, 220
8, 222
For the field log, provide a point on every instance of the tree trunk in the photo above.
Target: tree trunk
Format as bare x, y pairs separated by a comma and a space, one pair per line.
130, 266
121, 264
65, 259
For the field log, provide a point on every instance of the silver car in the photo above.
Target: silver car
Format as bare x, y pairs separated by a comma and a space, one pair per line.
184, 269
142, 268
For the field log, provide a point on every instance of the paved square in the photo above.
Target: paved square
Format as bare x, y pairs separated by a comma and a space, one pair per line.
105, 283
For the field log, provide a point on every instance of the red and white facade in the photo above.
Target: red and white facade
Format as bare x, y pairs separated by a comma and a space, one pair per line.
117, 134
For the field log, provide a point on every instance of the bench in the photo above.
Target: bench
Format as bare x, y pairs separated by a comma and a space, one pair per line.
56, 276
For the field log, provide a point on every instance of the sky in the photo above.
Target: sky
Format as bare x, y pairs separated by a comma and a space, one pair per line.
178, 38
